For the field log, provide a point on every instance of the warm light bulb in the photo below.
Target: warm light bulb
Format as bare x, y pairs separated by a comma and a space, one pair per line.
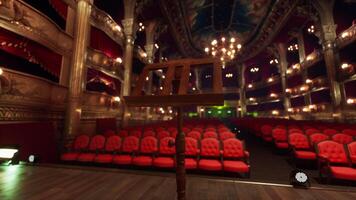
270, 80
117, 99
250, 86
232, 40
350, 101
118, 60
308, 81
223, 39
345, 65
239, 46
1, 71
206, 49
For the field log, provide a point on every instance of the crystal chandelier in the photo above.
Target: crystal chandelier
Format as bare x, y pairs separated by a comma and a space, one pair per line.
225, 49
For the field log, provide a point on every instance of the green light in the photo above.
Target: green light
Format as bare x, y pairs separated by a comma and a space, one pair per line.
255, 114
229, 111
219, 112
7, 153
209, 111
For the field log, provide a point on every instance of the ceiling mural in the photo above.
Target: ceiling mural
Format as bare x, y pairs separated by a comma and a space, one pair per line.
209, 19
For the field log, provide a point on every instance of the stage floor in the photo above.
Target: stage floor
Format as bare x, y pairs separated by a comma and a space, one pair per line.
51, 182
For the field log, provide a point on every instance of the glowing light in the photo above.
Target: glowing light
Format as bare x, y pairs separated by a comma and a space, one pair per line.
202, 109
156, 45
163, 76
351, 101
345, 34
7, 153
288, 90
117, 99
193, 88
308, 81
273, 95
275, 112
1, 71
290, 109
206, 49
223, 39
230, 75
232, 40
161, 88
250, 86
147, 78
118, 60
252, 99
345, 65
270, 80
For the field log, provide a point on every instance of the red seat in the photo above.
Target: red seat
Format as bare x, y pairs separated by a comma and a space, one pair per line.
235, 156
266, 132
342, 138
211, 155
149, 133
210, 129
349, 132
194, 134
185, 129
223, 129
165, 158
136, 133
109, 133
330, 132
280, 138
162, 134
148, 148
210, 134
158, 129
123, 133
311, 131
80, 143
333, 161
351, 147
113, 144
191, 153
317, 137
301, 146
199, 129
97, 143
129, 146
294, 130
226, 135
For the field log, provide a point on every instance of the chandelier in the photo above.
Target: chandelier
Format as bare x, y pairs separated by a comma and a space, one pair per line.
225, 49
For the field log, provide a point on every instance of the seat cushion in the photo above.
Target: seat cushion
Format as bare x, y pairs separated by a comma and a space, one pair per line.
164, 162
353, 159
86, 157
142, 160
104, 158
69, 156
191, 163
210, 165
267, 139
235, 166
305, 155
282, 145
122, 159
346, 173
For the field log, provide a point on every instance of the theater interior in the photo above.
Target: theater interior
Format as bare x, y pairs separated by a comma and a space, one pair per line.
177, 99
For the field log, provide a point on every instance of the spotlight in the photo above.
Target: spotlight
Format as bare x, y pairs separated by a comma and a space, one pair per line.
9, 154
33, 159
299, 178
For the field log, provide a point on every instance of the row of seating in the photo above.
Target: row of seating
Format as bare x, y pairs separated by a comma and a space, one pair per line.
209, 154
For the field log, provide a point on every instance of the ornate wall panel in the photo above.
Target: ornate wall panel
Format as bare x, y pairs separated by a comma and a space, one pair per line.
19, 17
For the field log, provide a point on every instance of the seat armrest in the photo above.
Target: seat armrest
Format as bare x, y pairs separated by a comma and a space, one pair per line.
247, 154
221, 152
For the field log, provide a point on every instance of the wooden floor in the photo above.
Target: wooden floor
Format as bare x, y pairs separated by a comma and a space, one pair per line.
61, 182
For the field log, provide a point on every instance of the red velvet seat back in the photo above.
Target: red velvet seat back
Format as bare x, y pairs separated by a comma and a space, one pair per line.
334, 151
171, 129
185, 129
210, 129
123, 133
162, 134
210, 147
210, 134
109, 133
294, 130
81, 142
349, 132
165, 148
342, 138
148, 145
311, 131
199, 129
158, 129
317, 137
97, 142
191, 146
223, 129
233, 148
113, 143
266, 129
226, 135
194, 134
330, 132
136, 133
130, 144
149, 133
279, 134
352, 151
298, 141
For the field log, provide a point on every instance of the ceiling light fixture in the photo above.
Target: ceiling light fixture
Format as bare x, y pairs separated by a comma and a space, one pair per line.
225, 49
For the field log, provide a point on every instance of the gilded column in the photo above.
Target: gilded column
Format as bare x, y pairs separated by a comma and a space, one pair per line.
242, 91
66, 60
283, 64
128, 25
301, 52
331, 57
78, 68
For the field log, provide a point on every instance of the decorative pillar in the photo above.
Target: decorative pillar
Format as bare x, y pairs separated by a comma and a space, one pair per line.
129, 30
328, 39
283, 64
301, 52
66, 60
242, 69
78, 68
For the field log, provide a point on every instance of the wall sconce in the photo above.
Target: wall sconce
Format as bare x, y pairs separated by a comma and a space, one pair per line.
250, 86
275, 112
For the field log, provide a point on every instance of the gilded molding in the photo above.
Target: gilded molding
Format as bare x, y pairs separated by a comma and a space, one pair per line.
104, 22
17, 16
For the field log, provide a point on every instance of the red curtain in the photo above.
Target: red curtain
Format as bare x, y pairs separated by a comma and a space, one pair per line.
32, 51
100, 41
60, 7
98, 81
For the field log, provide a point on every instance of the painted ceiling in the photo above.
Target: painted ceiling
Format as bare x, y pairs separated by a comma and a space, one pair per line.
209, 19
